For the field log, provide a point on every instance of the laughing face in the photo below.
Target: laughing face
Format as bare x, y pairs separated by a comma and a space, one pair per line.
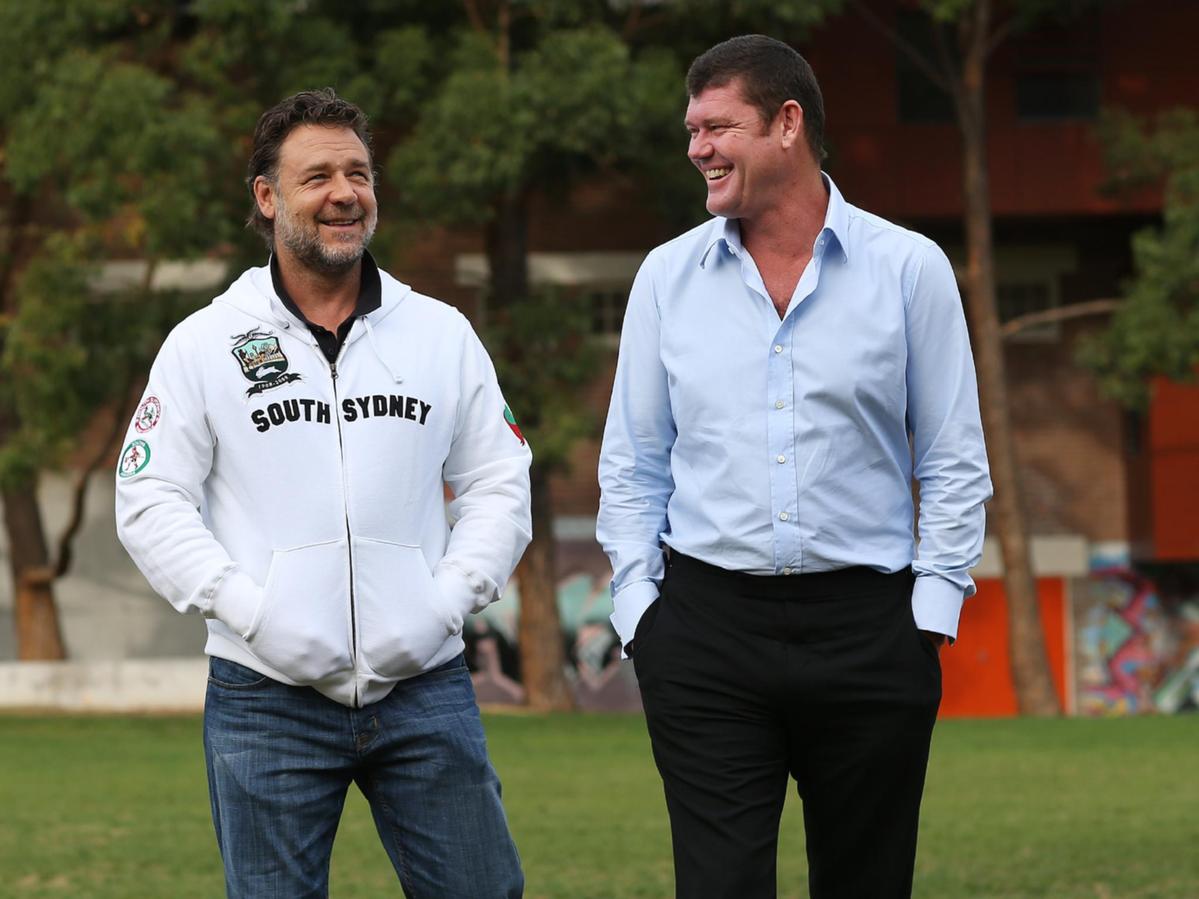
740, 156
323, 199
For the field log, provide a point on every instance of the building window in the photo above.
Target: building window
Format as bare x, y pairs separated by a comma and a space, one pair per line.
1057, 73
1017, 298
921, 101
1057, 95
607, 312
1027, 280
601, 280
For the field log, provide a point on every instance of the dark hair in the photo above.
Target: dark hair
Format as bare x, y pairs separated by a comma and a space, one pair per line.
320, 107
770, 73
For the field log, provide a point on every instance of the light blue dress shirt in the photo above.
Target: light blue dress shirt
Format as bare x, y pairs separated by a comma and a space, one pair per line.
781, 447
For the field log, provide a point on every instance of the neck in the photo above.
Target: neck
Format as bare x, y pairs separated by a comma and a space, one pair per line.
326, 299
790, 227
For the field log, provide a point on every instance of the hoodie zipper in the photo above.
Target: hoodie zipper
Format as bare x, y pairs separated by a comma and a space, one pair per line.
345, 497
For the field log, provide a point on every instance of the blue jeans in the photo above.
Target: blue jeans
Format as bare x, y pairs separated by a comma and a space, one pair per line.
281, 758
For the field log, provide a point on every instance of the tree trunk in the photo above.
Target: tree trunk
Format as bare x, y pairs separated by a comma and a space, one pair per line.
542, 659
542, 654
1030, 668
35, 615
507, 252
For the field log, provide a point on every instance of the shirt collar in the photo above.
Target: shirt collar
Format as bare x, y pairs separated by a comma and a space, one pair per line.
370, 291
836, 219
836, 225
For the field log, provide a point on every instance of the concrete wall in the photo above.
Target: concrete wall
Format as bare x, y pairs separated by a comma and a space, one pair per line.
107, 609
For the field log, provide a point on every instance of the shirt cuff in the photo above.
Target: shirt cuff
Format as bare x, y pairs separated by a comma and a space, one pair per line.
629, 605
936, 605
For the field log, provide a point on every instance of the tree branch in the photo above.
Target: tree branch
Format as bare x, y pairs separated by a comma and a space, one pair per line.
1014, 326
66, 540
127, 397
950, 73
1001, 34
20, 215
913, 55
473, 14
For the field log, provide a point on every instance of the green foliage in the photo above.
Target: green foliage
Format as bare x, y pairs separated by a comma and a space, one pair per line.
1156, 329
102, 157
571, 101
544, 358
67, 351
575, 102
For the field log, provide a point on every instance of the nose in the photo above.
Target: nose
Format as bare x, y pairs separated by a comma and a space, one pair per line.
699, 147
341, 190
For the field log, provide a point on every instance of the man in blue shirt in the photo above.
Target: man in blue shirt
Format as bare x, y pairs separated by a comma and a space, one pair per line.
786, 369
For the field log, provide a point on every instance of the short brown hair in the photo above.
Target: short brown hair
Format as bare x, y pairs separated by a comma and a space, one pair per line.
770, 73
319, 107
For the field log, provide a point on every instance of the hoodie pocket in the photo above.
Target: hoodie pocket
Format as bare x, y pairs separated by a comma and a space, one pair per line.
302, 627
402, 619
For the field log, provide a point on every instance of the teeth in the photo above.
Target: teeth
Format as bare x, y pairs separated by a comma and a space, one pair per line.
713, 174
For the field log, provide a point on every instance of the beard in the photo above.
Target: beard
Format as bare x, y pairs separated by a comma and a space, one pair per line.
302, 237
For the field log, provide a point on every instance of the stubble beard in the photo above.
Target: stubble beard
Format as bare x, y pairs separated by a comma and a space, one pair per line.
303, 241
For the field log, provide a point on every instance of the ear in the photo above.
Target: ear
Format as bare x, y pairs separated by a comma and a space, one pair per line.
790, 119
264, 195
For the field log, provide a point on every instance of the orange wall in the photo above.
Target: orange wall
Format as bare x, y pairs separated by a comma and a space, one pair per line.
976, 676
1173, 447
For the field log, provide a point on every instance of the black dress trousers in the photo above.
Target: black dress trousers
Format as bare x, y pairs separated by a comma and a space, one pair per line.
748, 680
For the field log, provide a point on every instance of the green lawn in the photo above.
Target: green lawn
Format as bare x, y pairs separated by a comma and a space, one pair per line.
117, 807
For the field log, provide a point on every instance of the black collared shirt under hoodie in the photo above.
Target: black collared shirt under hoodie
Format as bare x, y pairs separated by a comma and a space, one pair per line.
370, 297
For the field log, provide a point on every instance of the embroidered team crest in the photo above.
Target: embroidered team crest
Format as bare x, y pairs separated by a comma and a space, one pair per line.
147, 414
134, 458
511, 419
262, 361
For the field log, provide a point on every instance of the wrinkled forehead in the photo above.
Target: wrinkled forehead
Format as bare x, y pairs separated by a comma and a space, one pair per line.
724, 100
322, 146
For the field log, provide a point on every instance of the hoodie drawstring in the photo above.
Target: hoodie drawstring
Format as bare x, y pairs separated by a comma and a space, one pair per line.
370, 336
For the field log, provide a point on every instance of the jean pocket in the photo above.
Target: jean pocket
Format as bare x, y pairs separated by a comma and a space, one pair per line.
402, 618
225, 673
302, 627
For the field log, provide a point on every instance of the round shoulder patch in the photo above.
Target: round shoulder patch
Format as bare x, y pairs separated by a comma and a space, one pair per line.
147, 415
134, 458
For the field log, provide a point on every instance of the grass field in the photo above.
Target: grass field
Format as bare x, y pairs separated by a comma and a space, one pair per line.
117, 807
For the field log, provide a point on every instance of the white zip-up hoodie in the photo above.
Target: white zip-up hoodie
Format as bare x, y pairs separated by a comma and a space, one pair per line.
299, 506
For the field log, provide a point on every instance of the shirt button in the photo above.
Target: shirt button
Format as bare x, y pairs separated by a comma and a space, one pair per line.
778, 404
783, 516
778, 347
782, 459
787, 571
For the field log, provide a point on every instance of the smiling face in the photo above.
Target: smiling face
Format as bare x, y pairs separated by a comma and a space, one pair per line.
744, 160
322, 200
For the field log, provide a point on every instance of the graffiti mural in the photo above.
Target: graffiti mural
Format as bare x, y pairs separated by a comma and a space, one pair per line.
599, 679
1133, 653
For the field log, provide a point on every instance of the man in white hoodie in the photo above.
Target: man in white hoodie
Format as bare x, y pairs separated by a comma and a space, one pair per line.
284, 477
